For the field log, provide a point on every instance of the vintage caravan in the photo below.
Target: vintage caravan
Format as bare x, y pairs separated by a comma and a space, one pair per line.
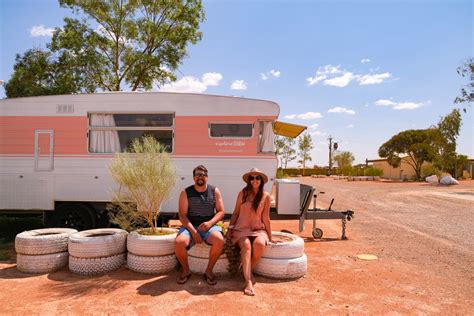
55, 150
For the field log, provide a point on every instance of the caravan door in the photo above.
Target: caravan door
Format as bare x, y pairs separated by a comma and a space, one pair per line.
44, 145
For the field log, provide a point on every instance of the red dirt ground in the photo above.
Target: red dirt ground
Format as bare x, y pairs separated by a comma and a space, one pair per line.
420, 233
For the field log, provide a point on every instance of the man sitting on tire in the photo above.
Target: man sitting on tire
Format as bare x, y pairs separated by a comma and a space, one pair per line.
200, 208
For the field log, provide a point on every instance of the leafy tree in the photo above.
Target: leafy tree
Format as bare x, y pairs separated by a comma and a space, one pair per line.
138, 43
118, 44
344, 160
417, 145
446, 133
305, 144
285, 150
467, 93
42, 72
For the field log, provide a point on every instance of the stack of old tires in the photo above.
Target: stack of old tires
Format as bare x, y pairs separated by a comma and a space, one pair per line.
283, 260
97, 251
42, 250
198, 258
150, 253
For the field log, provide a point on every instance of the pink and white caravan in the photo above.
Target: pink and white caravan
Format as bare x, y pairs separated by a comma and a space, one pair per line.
55, 150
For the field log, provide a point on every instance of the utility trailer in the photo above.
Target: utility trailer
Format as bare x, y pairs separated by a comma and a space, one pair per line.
292, 203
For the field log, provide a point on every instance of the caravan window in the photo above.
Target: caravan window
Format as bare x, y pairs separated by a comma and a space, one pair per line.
110, 133
266, 137
231, 130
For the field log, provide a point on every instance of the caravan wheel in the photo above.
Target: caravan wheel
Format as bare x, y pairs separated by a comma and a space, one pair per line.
74, 215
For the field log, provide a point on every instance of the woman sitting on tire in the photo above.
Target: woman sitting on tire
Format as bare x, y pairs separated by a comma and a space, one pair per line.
249, 227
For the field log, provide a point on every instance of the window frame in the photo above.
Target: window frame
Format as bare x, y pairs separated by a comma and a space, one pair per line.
130, 128
231, 122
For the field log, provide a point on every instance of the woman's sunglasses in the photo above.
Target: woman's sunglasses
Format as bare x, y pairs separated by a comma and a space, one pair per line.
256, 177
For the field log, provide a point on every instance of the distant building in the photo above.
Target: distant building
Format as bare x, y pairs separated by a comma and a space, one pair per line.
468, 169
403, 172
406, 172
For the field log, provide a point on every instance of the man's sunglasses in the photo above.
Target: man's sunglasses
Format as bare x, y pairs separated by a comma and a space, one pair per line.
256, 177
200, 175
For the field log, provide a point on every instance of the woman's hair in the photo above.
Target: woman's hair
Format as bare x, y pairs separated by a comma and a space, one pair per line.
258, 197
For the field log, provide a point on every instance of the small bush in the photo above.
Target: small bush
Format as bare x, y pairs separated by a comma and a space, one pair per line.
429, 170
281, 174
146, 176
373, 172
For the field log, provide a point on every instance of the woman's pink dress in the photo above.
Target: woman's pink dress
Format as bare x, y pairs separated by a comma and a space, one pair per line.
249, 222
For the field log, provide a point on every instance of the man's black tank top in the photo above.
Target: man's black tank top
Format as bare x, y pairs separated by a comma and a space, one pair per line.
201, 205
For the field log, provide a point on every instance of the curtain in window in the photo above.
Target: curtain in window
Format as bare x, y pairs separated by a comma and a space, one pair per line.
103, 141
267, 140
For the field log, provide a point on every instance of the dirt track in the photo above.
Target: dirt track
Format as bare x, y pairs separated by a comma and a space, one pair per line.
422, 235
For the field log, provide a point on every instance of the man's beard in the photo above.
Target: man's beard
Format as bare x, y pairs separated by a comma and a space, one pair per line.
200, 183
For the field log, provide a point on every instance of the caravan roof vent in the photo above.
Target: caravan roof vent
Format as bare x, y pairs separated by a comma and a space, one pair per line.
65, 108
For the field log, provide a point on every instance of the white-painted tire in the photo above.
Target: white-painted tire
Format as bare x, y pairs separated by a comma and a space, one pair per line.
293, 248
151, 246
199, 265
97, 243
96, 266
202, 251
282, 268
41, 263
43, 241
151, 265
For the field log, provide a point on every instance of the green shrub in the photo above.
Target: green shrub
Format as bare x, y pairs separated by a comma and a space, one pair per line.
373, 172
146, 176
429, 170
281, 174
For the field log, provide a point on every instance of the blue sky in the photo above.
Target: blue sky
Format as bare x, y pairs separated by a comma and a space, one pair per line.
360, 71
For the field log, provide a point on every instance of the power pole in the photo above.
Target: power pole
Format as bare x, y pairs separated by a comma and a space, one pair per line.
330, 155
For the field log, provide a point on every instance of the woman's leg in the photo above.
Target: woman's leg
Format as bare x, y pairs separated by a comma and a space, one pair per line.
258, 247
246, 258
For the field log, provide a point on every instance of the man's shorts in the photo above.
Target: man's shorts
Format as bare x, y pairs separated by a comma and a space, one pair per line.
204, 235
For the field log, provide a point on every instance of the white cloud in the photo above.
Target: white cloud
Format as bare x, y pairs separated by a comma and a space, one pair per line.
275, 73
350, 126
365, 60
305, 116
272, 73
400, 105
314, 80
239, 85
407, 106
322, 73
329, 69
343, 110
211, 78
384, 102
341, 81
190, 84
334, 76
40, 30
373, 79
313, 126
187, 84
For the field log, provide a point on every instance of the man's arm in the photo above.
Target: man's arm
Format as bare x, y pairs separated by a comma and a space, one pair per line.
204, 227
183, 217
